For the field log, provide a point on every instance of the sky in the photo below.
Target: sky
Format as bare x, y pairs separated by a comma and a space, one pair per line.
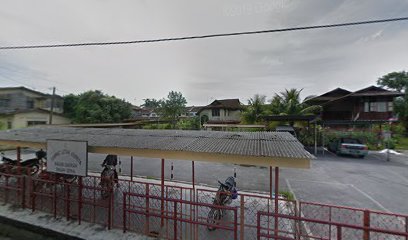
203, 70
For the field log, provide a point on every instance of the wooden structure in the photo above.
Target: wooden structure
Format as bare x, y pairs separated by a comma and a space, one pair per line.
368, 104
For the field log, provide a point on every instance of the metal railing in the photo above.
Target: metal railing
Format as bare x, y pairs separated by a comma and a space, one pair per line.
177, 212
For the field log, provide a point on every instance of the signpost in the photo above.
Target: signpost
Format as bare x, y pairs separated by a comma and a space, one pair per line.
67, 157
387, 138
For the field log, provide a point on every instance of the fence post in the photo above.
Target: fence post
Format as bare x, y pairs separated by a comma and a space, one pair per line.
162, 194
147, 209
80, 200
68, 202
366, 235
276, 223
54, 194
175, 221
110, 209
258, 226
297, 222
6, 190
242, 218
124, 212
32, 195
339, 234
330, 220
235, 224
131, 168
18, 160
23, 191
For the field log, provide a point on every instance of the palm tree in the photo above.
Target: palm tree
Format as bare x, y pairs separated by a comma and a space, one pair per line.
255, 110
289, 103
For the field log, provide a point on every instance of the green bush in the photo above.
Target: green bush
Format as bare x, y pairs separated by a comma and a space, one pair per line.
287, 195
157, 126
189, 124
390, 143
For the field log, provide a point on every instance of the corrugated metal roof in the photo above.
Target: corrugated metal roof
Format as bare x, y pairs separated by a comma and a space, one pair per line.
257, 144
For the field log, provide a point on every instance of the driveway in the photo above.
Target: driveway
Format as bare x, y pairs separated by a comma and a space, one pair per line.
371, 182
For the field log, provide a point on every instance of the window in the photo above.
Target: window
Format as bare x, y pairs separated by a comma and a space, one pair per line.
377, 107
33, 123
226, 112
215, 112
9, 125
381, 106
30, 104
4, 102
366, 106
390, 106
373, 107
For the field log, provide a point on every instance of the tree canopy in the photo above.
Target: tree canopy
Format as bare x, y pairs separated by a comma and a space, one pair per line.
151, 103
96, 107
255, 110
395, 80
172, 107
289, 103
169, 108
398, 81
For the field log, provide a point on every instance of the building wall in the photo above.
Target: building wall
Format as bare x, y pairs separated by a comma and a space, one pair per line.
225, 115
353, 109
19, 99
22, 120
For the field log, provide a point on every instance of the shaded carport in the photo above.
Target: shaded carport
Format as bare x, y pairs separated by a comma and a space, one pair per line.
269, 149
296, 118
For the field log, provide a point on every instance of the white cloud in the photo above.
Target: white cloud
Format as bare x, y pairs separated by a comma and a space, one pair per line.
316, 60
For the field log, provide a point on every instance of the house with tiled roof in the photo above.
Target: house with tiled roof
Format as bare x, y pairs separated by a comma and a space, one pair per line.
23, 107
223, 111
371, 104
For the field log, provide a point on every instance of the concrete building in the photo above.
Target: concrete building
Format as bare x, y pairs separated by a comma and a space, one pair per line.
224, 111
22, 107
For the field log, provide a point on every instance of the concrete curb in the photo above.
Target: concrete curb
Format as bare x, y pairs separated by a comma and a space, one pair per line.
45, 224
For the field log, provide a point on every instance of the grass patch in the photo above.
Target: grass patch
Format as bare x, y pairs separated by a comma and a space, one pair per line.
288, 195
402, 143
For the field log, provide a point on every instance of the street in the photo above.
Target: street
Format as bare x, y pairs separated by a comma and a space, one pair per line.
371, 183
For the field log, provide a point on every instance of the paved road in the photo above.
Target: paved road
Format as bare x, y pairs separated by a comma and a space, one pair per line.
371, 183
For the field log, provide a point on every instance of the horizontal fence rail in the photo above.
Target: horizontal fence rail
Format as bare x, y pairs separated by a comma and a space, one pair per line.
341, 230
175, 211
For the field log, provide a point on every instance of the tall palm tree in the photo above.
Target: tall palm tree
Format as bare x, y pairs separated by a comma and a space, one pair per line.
289, 103
255, 110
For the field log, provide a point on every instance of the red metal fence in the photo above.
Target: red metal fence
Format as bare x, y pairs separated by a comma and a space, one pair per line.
171, 211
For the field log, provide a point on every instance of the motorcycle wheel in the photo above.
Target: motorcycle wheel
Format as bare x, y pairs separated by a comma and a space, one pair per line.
107, 185
34, 169
70, 179
214, 217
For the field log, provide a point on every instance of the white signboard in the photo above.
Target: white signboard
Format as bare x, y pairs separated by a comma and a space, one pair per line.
67, 157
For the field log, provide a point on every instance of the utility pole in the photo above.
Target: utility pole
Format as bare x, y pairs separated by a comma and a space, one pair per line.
52, 105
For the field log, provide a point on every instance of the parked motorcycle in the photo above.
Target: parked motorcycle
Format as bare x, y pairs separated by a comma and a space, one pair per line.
108, 177
224, 196
11, 165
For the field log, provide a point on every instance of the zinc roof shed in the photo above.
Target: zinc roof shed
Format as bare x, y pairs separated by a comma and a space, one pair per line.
278, 149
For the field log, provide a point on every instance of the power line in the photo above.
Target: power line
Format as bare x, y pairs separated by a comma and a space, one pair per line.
203, 36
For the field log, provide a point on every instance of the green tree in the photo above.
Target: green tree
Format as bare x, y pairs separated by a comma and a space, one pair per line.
398, 81
70, 101
172, 107
97, 107
289, 103
395, 80
255, 110
151, 103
